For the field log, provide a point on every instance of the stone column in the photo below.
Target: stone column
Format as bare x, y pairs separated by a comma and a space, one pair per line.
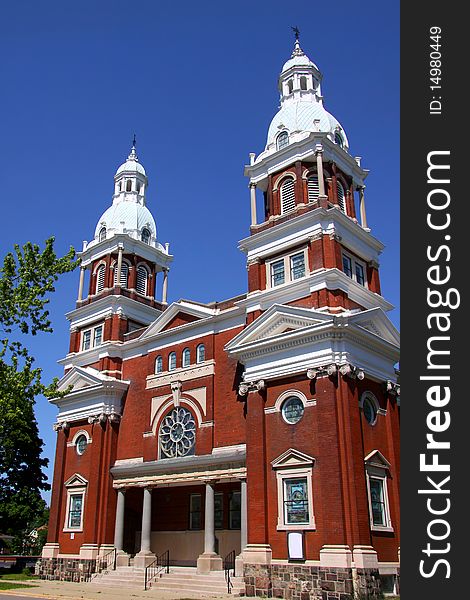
209, 560
165, 286
80, 284
119, 267
321, 181
362, 207
119, 527
243, 515
253, 203
243, 528
145, 556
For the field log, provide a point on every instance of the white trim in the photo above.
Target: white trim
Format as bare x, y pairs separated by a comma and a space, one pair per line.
75, 486
169, 403
281, 477
73, 442
204, 369
286, 258
378, 471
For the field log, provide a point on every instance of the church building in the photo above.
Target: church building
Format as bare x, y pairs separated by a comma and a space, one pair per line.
263, 427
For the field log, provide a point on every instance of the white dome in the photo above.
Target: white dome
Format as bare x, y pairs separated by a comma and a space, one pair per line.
127, 217
300, 116
132, 165
299, 61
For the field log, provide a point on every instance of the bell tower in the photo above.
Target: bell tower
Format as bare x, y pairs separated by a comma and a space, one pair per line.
309, 248
123, 261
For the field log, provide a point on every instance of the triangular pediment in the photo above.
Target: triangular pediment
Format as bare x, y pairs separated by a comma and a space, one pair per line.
277, 320
292, 458
80, 378
376, 321
178, 314
76, 480
377, 459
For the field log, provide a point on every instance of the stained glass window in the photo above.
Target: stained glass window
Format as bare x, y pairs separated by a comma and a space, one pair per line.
177, 433
296, 501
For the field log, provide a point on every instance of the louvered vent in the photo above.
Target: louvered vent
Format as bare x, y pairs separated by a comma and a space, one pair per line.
142, 280
287, 196
313, 188
124, 274
100, 279
341, 196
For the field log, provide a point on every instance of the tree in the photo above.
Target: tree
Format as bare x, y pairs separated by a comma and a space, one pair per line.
27, 279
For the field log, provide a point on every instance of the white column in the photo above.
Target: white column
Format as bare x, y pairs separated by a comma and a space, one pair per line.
119, 526
80, 284
146, 521
209, 521
253, 203
321, 181
165, 286
243, 515
119, 266
362, 206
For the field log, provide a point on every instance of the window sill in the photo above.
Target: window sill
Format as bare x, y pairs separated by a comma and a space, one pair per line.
72, 530
305, 527
377, 528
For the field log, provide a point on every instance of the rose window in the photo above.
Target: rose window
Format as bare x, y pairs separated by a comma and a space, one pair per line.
177, 434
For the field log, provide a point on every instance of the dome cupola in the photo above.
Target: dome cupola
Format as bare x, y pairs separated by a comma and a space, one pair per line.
128, 213
301, 109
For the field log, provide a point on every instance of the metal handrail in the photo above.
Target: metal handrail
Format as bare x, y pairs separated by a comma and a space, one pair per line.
229, 565
107, 561
161, 563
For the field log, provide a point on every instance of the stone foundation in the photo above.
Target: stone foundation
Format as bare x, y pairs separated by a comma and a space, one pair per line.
66, 569
301, 582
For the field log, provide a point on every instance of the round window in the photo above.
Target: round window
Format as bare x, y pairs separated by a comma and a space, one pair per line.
293, 409
80, 444
177, 434
369, 409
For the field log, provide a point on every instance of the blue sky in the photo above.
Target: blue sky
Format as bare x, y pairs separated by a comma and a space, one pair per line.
197, 82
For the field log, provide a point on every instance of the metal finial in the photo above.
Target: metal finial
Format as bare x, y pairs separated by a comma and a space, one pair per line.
296, 32
134, 141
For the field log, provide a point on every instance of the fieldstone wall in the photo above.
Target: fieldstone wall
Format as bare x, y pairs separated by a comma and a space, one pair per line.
65, 569
301, 582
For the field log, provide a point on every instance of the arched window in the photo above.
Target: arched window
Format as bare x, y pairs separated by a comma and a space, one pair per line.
341, 196
145, 235
287, 195
142, 275
120, 186
370, 407
313, 187
172, 361
129, 185
339, 139
159, 364
102, 235
124, 274
282, 140
177, 435
303, 83
200, 353
290, 86
186, 357
139, 185
100, 273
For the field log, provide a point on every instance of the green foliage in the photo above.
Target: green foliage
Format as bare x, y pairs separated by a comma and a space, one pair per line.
27, 279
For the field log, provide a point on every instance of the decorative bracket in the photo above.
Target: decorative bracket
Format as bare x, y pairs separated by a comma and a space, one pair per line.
392, 388
251, 386
176, 387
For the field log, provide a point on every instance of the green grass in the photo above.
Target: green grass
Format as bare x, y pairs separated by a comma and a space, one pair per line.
17, 577
7, 585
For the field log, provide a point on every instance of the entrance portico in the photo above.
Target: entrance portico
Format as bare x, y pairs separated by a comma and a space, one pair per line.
193, 506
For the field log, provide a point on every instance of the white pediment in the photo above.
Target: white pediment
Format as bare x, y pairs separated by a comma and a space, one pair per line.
76, 480
376, 321
377, 459
292, 458
82, 378
177, 308
277, 320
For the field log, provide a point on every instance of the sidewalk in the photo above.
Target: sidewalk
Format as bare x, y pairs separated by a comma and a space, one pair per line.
56, 590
